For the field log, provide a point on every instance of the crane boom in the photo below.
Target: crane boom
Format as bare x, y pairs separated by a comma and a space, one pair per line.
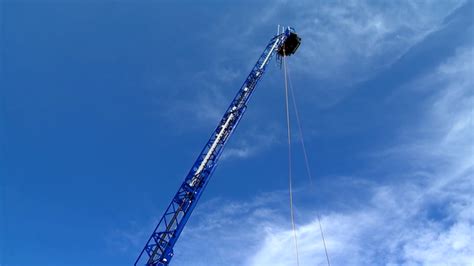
158, 250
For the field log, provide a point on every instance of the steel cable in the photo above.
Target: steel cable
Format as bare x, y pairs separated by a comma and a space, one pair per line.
290, 181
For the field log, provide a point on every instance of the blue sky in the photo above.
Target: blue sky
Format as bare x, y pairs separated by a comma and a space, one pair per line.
105, 104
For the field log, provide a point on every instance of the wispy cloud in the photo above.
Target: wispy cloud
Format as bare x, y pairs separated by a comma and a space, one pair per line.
254, 140
202, 103
345, 43
356, 38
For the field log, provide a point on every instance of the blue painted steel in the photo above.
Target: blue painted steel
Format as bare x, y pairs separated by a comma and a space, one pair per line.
158, 250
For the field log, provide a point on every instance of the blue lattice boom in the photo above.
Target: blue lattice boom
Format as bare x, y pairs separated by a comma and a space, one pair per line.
158, 250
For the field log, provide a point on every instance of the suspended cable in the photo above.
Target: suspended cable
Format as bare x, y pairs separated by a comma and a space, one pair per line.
290, 181
305, 155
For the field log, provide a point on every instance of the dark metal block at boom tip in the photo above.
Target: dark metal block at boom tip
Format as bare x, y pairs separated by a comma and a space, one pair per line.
291, 45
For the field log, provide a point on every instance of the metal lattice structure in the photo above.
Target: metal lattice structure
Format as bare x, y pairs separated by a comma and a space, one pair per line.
158, 250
